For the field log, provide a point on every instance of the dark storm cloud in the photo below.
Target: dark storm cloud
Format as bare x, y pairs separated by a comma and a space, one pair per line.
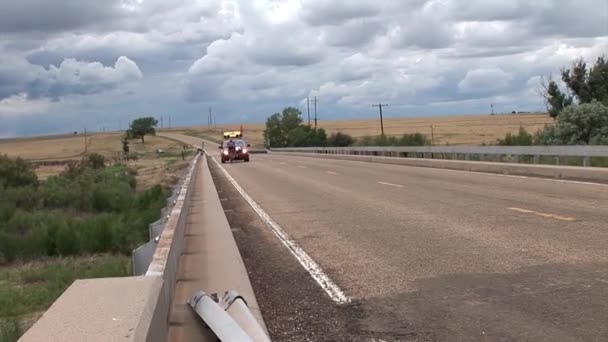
247, 58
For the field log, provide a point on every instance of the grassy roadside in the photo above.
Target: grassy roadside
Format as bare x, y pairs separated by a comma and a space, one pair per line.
28, 289
80, 222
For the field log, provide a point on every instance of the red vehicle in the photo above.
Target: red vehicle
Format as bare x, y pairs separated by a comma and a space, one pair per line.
240, 152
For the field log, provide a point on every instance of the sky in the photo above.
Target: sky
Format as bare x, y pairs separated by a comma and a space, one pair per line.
70, 64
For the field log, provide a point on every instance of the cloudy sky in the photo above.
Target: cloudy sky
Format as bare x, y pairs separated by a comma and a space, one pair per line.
67, 64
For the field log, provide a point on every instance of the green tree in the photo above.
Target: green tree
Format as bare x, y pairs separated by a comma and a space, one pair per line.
279, 125
555, 99
583, 86
273, 134
142, 126
584, 124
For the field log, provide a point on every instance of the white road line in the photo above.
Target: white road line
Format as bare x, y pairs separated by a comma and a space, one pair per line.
331, 172
315, 271
302, 166
391, 184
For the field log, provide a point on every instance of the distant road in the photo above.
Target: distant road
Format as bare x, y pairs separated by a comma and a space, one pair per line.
431, 254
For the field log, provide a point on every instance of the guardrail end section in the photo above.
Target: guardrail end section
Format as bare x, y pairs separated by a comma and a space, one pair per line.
237, 325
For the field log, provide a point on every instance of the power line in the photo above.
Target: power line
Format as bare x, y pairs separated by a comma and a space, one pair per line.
380, 105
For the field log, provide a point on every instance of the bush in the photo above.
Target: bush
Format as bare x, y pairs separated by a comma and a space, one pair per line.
585, 124
415, 139
86, 210
96, 161
9, 330
16, 172
340, 139
522, 138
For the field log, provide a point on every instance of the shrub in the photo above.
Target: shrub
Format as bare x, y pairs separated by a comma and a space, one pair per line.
9, 330
415, 139
585, 124
340, 139
522, 138
96, 161
16, 172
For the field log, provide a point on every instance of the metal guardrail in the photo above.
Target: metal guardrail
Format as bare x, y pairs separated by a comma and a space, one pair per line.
228, 317
462, 152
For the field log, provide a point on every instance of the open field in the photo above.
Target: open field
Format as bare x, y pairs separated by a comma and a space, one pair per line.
72, 146
152, 168
453, 130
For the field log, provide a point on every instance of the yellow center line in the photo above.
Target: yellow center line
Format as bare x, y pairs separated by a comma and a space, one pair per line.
331, 172
391, 184
545, 215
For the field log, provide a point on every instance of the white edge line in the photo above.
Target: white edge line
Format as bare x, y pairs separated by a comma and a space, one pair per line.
315, 271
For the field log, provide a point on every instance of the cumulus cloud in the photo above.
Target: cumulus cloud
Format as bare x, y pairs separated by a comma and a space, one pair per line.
481, 81
70, 77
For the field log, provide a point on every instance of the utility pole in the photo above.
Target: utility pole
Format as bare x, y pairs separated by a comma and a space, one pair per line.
380, 105
85, 141
492, 107
308, 108
315, 102
432, 136
169, 121
161, 121
209, 119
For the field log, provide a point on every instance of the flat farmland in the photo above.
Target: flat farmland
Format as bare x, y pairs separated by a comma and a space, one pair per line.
452, 130
152, 168
72, 146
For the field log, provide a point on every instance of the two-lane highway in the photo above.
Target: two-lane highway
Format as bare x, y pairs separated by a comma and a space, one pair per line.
430, 254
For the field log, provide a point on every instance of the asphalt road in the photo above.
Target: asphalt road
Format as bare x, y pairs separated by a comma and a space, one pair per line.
427, 254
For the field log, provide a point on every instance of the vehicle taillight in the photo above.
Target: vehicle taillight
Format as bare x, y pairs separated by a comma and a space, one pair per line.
225, 152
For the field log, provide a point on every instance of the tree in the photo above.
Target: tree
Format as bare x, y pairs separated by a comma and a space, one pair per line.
584, 124
278, 126
142, 126
554, 98
583, 86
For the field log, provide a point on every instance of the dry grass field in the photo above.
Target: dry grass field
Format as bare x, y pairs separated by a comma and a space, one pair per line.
152, 168
452, 130
72, 146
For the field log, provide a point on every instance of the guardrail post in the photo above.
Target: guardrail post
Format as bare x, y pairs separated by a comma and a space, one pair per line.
587, 161
557, 160
454, 156
516, 158
467, 156
536, 159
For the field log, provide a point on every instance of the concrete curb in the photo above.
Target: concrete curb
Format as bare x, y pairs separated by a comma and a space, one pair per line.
587, 174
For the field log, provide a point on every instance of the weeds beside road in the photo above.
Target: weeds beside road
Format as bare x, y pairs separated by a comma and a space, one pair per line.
82, 223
